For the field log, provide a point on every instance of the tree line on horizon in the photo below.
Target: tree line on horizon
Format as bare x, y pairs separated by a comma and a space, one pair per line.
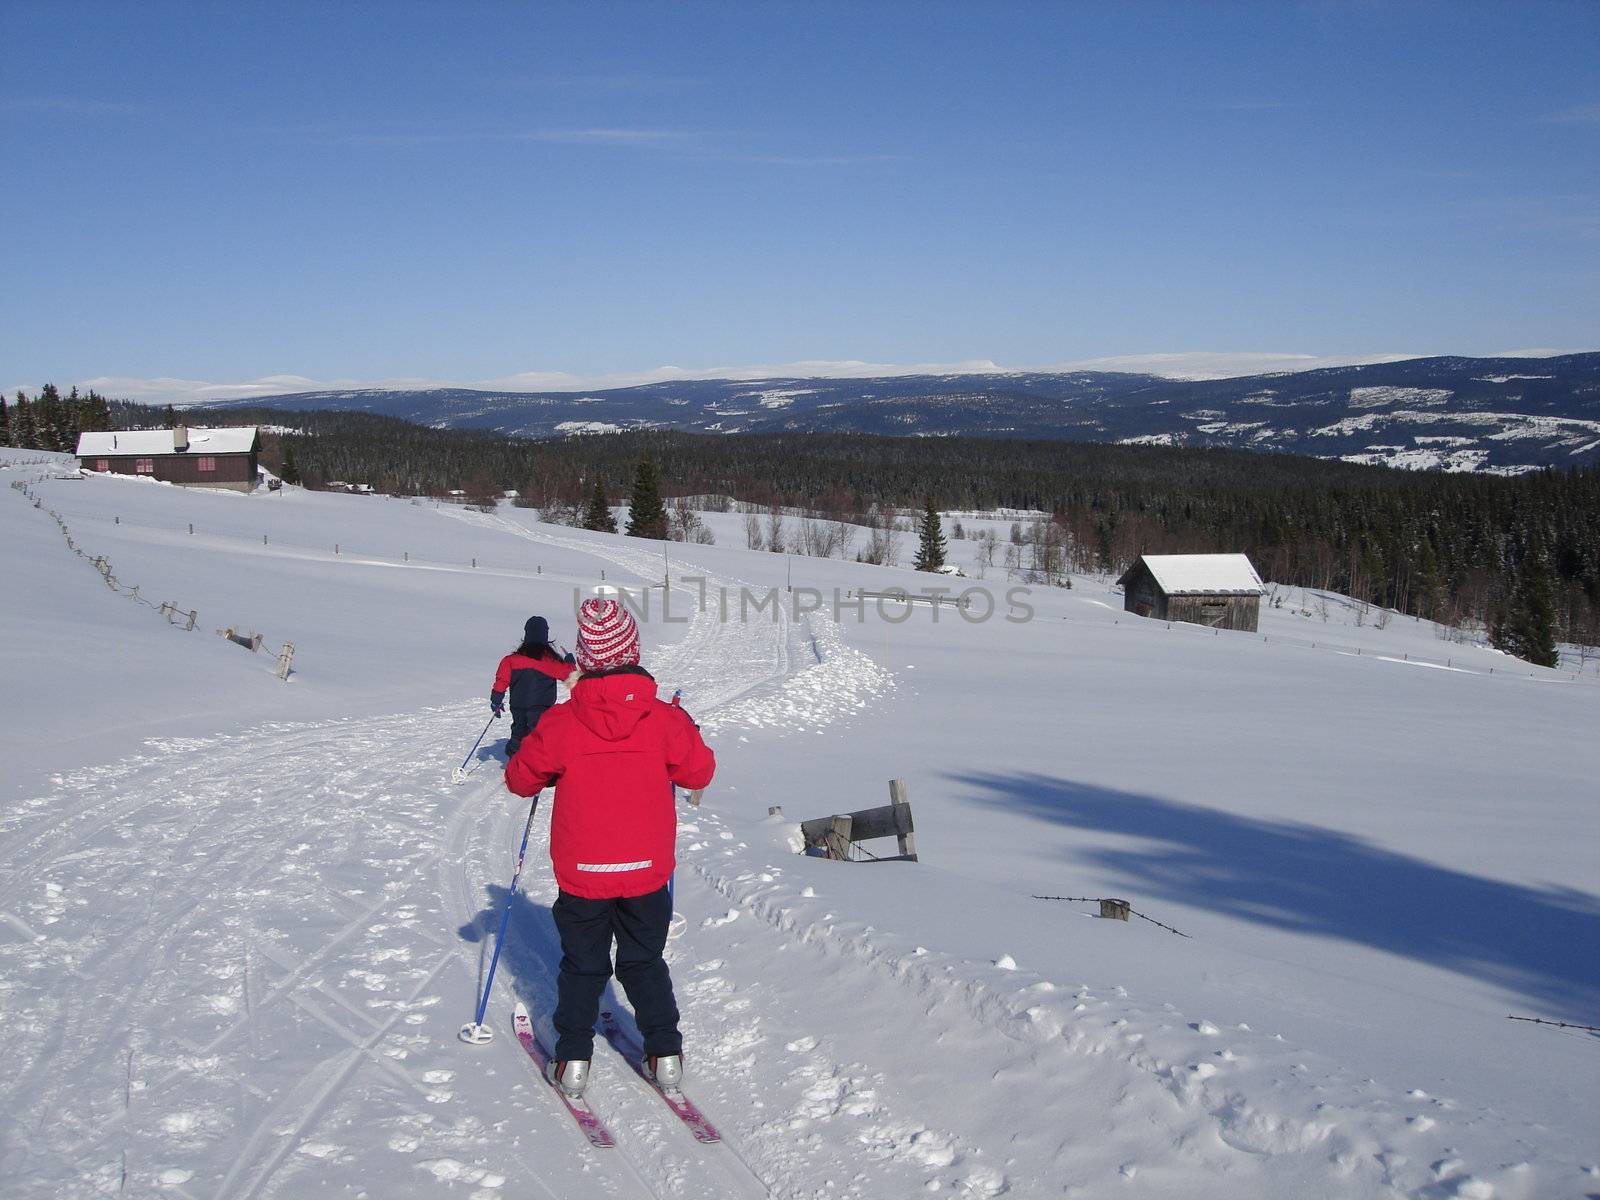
1518, 555
51, 421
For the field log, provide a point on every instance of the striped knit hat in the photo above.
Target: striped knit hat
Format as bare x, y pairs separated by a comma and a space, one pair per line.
608, 636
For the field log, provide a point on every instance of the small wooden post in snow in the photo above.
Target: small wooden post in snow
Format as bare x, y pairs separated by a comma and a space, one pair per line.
838, 841
897, 797
1115, 910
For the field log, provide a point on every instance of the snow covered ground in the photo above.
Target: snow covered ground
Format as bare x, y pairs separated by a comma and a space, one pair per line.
241, 920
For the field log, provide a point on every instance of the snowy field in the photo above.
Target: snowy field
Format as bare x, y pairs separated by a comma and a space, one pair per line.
241, 920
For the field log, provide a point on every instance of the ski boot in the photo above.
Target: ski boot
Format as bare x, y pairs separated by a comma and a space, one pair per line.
666, 1070
570, 1075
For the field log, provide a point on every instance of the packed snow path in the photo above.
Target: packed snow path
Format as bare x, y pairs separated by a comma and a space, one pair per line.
234, 967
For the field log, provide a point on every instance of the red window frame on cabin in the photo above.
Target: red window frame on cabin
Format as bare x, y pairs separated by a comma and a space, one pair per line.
144, 466
206, 462
102, 464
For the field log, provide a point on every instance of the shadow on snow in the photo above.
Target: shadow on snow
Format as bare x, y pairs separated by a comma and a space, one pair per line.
1543, 943
528, 960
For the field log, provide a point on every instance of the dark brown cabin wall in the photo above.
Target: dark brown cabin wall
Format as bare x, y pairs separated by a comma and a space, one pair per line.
181, 468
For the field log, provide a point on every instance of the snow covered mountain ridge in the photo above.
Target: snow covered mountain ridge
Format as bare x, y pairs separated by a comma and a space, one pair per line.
1499, 415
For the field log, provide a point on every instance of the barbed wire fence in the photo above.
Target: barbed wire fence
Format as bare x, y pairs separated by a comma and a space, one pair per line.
169, 610
1110, 906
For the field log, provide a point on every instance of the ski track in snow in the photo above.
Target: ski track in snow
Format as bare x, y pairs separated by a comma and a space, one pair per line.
225, 963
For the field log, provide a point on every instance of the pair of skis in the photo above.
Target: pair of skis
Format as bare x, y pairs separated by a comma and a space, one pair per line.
588, 1120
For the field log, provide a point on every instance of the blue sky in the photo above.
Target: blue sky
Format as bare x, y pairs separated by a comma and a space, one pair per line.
473, 192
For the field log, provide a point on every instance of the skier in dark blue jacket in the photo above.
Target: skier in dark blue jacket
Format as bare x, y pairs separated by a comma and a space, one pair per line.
529, 673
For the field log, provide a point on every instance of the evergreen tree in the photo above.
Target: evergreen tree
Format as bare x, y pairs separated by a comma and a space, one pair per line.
647, 516
71, 421
22, 424
170, 417
5, 423
94, 414
1425, 582
289, 472
1527, 627
930, 545
47, 431
599, 516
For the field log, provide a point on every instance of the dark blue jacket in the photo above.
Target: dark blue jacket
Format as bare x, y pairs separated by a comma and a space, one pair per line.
531, 681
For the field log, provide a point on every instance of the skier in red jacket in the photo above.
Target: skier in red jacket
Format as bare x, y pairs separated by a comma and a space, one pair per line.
529, 673
614, 752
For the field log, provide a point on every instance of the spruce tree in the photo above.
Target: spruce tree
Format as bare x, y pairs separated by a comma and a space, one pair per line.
1425, 581
5, 423
47, 431
71, 421
1528, 627
647, 516
170, 417
290, 471
930, 546
599, 517
94, 414
22, 424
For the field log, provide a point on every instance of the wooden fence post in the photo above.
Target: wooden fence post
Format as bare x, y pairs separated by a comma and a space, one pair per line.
1115, 910
907, 835
285, 657
838, 840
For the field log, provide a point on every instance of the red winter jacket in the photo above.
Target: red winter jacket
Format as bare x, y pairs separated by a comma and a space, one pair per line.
614, 751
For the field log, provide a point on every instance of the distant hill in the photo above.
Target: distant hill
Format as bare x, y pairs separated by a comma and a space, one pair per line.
1497, 415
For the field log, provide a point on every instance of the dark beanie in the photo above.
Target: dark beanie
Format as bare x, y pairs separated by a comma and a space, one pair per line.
536, 630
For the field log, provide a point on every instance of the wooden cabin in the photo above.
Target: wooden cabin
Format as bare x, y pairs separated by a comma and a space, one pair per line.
1219, 590
214, 458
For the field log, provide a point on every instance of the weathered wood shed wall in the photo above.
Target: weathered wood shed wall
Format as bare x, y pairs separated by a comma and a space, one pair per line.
1220, 591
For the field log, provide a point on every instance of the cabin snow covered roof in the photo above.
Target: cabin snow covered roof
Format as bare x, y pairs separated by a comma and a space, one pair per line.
1201, 574
160, 441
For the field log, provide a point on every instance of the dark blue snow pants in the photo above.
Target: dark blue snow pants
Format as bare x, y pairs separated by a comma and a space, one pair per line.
522, 722
587, 927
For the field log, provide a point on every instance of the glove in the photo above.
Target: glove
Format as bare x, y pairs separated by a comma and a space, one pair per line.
495, 709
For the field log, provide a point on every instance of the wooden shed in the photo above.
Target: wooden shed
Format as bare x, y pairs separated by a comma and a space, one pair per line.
215, 458
1219, 590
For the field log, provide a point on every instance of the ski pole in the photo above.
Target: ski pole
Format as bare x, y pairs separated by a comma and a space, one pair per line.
461, 771
672, 880
476, 1032
694, 796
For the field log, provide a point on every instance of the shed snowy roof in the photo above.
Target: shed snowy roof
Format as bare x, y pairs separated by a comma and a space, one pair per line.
160, 441
1189, 574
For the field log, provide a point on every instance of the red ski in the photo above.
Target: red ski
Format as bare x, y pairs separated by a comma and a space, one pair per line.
588, 1120
682, 1107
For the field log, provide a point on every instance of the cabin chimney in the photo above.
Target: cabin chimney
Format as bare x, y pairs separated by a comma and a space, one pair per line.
180, 438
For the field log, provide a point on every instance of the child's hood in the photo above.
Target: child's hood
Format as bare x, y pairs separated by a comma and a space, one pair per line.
613, 703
